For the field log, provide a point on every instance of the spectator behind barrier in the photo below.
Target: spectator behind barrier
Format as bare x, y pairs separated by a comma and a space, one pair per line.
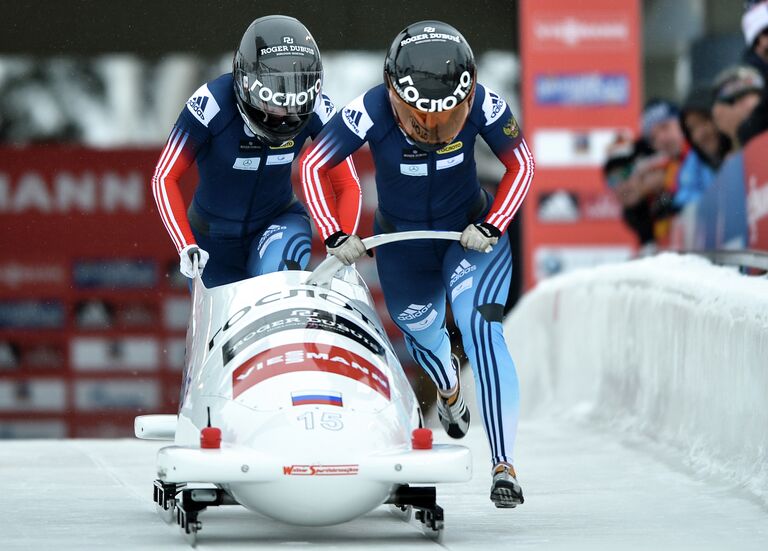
737, 91
659, 178
618, 171
708, 147
754, 23
637, 174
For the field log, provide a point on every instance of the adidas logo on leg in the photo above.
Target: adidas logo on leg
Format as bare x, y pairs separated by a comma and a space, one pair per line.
461, 270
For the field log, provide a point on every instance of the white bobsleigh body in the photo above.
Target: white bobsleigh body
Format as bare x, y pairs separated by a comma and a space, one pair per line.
316, 414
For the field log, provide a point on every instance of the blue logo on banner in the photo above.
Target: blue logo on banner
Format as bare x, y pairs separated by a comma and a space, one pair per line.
578, 90
32, 314
115, 274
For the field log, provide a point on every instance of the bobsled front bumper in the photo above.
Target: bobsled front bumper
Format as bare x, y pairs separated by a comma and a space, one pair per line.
442, 463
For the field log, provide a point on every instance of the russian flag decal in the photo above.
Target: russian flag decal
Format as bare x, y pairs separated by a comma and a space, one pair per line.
317, 397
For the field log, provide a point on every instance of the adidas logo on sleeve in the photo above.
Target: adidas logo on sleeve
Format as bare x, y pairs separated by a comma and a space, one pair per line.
356, 117
493, 106
203, 105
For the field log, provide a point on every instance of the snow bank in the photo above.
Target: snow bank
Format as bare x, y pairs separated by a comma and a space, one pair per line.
669, 347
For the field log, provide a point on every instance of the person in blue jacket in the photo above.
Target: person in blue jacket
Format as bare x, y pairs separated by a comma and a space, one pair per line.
421, 126
245, 130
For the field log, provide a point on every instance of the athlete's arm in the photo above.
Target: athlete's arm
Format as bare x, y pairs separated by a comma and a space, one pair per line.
331, 187
503, 135
343, 178
188, 135
178, 154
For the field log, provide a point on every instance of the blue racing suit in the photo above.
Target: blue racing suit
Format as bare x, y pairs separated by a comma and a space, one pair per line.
437, 190
244, 212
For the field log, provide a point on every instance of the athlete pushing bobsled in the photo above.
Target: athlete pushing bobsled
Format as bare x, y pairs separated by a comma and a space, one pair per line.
244, 130
421, 126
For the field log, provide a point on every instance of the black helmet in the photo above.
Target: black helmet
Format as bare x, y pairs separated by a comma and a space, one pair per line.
430, 72
278, 77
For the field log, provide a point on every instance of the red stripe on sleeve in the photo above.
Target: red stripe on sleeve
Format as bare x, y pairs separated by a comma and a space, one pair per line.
173, 162
319, 190
346, 188
513, 187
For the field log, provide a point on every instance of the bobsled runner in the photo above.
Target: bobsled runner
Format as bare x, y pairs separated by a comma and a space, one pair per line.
295, 405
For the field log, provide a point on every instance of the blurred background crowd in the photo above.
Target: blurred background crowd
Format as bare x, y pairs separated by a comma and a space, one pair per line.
670, 178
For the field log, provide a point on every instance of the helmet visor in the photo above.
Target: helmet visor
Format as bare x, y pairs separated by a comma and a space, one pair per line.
433, 128
280, 94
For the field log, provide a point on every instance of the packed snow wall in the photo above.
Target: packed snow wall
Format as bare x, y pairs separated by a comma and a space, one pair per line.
671, 348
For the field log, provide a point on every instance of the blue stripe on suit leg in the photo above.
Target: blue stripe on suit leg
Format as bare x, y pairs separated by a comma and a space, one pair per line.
420, 357
495, 274
498, 281
480, 353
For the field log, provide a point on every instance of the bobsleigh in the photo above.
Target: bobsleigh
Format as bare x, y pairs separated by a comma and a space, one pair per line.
295, 405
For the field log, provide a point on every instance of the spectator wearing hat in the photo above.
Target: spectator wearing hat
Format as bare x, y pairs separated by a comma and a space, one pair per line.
660, 174
708, 147
737, 92
754, 23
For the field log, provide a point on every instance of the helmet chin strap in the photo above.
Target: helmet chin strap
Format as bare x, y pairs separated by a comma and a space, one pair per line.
255, 133
246, 120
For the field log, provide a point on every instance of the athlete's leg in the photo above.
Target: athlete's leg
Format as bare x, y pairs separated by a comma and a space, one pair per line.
227, 259
411, 281
478, 285
284, 245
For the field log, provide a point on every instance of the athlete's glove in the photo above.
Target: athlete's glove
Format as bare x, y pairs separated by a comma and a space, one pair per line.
345, 247
480, 237
187, 265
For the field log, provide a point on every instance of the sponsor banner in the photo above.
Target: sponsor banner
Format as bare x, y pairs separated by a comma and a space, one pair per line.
44, 354
115, 274
583, 89
583, 28
321, 470
83, 204
602, 205
756, 177
95, 314
298, 318
33, 395
37, 276
553, 260
566, 148
32, 314
123, 354
565, 206
63, 192
559, 206
125, 394
108, 267
292, 358
580, 87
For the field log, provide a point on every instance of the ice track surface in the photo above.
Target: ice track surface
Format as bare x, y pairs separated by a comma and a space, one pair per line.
584, 489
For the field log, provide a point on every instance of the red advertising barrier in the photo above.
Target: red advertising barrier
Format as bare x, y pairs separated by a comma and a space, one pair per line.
756, 177
581, 85
93, 310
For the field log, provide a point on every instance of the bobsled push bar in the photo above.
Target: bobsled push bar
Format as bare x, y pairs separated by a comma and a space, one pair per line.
323, 274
